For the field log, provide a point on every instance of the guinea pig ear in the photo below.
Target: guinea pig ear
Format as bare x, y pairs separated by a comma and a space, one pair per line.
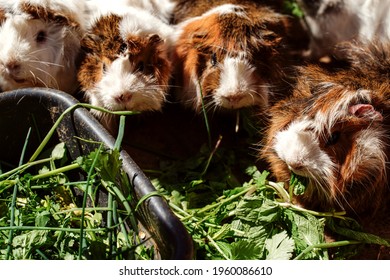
365, 111
155, 39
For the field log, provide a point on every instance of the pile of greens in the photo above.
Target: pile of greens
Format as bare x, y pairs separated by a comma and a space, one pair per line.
49, 207
244, 215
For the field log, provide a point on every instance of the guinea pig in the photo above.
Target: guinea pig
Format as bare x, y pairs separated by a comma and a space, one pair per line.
40, 43
334, 132
333, 21
230, 57
163, 9
126, 64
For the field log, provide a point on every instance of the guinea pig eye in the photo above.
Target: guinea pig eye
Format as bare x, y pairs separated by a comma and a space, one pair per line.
41, 36
213, 59
122, 48
332, 140
104, 67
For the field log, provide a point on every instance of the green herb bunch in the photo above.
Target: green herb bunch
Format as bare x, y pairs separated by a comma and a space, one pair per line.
49, 207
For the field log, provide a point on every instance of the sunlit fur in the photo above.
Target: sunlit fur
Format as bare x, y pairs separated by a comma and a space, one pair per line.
229, 57
28, 60
161, 9
126, 65
334, 131
334, 21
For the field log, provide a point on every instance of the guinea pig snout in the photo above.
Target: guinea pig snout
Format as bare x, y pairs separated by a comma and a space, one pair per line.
238, 85
11, 69
123, 97
296, 148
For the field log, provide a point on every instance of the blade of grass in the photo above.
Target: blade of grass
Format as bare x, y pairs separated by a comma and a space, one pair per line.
109, 223
206, 120
13, 202
90, 172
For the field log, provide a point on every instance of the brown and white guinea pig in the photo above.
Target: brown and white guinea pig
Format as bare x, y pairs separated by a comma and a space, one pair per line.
40, 43
333, 21
334, 131
229, 57
126, 64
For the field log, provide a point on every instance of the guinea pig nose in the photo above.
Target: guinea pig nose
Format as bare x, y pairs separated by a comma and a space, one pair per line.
296, 166
12, 66
234, 98
125, 97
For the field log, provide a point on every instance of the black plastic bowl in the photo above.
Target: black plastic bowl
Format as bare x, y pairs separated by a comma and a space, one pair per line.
38, 107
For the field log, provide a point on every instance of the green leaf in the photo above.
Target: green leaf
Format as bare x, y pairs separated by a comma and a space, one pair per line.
42, 218
279, 247
257, 209
58, 151
298, 184
306, 230
245, 250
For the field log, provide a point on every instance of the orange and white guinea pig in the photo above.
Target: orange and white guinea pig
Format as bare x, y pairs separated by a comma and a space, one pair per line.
40, 43
126, 64
334, 131
229, 57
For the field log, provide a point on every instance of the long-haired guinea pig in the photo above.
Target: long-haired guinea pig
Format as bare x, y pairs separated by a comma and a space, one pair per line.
231, 56
163, 9
126, 65
333, 21
40, 43
334, 131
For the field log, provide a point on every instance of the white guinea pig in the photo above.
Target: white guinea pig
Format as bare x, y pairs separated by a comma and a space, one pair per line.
126, 64
333, 21
40, 43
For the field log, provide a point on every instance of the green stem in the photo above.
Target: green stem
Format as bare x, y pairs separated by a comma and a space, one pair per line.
24, 166
339, 215
121, 131
12, 222
76, 230
326, 246
61, 117
56, 171
90, 171
221, 202
211, 156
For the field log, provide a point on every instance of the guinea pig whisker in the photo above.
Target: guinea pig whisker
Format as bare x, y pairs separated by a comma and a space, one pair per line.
40, 80
47, 63
49, 75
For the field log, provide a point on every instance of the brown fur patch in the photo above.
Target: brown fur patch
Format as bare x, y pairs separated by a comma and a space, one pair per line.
45, 14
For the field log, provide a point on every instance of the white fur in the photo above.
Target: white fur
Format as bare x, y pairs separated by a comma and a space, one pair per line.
237, 88
161, 9
226, 9
360, 20
122, 88
140, 22
25, 62
299, 148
